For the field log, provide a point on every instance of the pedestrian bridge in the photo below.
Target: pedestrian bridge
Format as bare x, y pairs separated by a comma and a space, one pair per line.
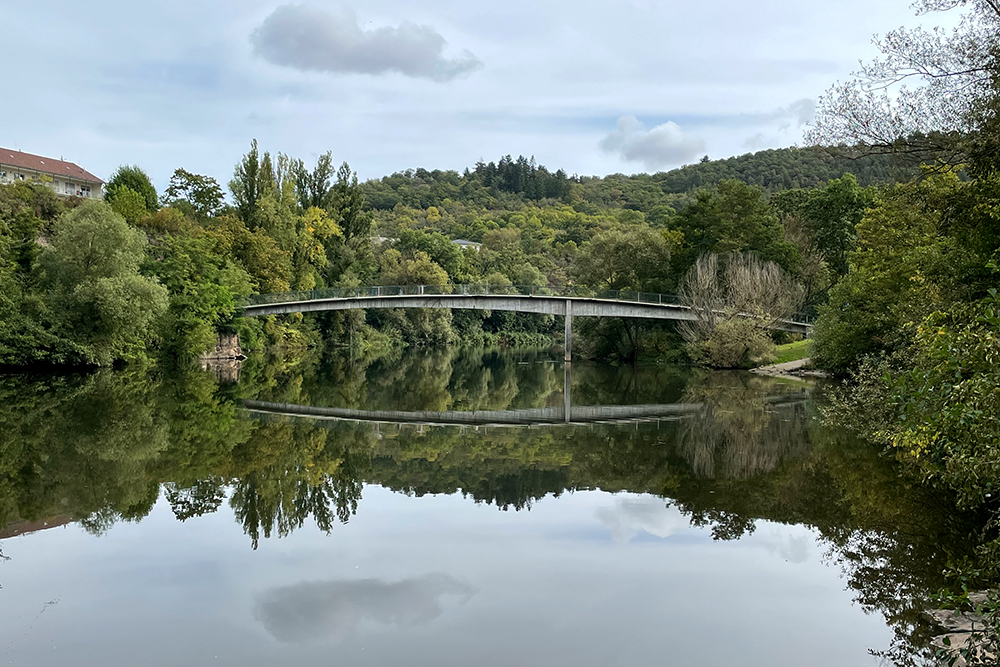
569, 302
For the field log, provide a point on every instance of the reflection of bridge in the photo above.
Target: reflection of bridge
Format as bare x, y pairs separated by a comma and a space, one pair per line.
578, 414
567, 413
520, 299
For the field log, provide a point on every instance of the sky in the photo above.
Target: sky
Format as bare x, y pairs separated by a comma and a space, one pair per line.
590, 86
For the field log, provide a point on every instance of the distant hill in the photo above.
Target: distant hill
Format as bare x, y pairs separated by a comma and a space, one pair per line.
784, 169
513, 181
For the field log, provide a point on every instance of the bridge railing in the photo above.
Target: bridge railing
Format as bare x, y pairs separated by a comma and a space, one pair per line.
578, 291
477, 290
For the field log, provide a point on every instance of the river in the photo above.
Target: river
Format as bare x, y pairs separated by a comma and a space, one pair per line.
453, 507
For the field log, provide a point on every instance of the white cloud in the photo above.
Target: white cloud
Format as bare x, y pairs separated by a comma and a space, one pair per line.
664, 145
309, 38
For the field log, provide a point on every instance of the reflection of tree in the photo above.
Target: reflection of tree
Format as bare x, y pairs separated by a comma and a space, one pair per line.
79, 445
744, 426
203, 497
100, 447
286, 474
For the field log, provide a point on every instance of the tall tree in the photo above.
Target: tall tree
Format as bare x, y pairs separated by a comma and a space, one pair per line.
95, 291
314, 187
245, 185
349, 202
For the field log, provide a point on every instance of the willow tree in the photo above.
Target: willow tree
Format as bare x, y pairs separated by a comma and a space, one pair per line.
736, 301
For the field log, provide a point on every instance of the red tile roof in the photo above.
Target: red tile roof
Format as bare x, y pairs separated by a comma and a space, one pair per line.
12, 158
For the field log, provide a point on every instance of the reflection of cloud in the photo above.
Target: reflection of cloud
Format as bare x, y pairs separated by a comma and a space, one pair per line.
309, 38
630, 515
333, 609
665, 144
793, 548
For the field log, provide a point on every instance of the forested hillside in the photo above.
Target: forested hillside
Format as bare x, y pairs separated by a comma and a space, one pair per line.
510, 181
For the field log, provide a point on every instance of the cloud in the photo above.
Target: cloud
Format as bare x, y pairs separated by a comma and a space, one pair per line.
630, 515
333, 609
800, 112
311, 39
664, 145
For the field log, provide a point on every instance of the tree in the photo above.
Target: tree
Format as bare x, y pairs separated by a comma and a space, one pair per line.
246, 185
129, 204
201, 194
204, 288
905, 267
636, 258
830, 216
313, 188
736, 301
731, 217
348, 202
925, 95
95, 292
136, 180
420, 270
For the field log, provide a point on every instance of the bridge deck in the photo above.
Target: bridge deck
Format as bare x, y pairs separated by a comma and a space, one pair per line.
517, 299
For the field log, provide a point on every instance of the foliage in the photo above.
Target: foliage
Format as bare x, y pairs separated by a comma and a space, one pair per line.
735, 301
95, 294
954, 72
200, 195
129, 204
636, 258
136, 180
905, 267
732, 217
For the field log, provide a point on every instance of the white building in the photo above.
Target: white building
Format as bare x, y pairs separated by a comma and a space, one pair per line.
65, 178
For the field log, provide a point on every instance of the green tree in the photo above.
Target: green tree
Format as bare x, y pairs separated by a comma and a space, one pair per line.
95, 292
129, 204
732, 217
636, 258
348, 203
136, 180
830, 215
313, 188
249, 179
204, 286
200, 195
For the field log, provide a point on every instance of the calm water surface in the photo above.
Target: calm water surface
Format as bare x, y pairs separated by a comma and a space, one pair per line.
184, 520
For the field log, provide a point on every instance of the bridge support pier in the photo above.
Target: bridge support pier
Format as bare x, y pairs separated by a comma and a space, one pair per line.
568, 344
567, 400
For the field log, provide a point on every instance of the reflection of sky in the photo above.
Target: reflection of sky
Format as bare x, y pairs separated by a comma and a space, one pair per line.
629, 515
334, 609
436, 580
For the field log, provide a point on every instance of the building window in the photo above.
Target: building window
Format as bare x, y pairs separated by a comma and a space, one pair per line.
84, 190
70, 189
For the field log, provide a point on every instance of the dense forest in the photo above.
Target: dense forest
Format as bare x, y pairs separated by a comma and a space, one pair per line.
511, 181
